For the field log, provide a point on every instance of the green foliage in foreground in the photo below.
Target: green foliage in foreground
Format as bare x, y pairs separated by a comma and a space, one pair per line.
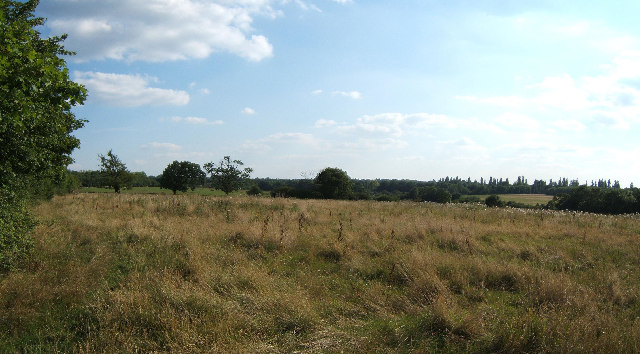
36, 121
156, 273
16, 224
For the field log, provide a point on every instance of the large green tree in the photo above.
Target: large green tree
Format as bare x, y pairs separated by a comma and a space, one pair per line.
115, 171
36, 119
180, 176
228, 175
334, 183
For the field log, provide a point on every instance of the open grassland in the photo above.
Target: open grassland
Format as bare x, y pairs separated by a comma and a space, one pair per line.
190, 273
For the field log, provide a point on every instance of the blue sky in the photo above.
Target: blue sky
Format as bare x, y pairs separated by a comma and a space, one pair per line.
382, 89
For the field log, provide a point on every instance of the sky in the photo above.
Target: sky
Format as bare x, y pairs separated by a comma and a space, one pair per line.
401, 89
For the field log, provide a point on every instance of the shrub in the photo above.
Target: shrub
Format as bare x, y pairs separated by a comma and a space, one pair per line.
15, 231
493, 201
254, 190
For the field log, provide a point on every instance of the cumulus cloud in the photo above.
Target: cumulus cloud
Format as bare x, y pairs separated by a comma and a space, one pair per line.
569, 125
159, 30
128, 90
196, 120
322, 123
370, 145
500, 101
609, 99
248, 111
397, 124
517, 121
287, 140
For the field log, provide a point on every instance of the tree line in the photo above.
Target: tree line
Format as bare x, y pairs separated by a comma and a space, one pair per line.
226, 175
601, 196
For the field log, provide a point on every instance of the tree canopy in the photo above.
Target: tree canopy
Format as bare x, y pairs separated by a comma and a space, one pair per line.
334, 183
228, 175
180, 176
36, 97
36, 121
115, 171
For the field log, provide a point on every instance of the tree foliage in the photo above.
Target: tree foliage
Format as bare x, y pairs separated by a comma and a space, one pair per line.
334, 183
36, 122
180, 176
36, 98
598, 200
431, 194
115, 171
493, 201
228, 175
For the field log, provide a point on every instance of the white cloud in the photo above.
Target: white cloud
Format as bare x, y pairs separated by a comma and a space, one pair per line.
159, 30
322, 123
349, 94
316, 92
500, 101
248, 111
561, 92
128, 90
196, 120
205, 91
397, 124
370, 145
413, 158
303, 138
162, 146
609, 99
343, 1
517, 121
289, 141
569, 125
305, 6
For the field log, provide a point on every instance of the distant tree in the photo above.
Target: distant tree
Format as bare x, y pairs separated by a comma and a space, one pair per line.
228, 175
180, 176
140, 179
431, 194
494, 201
254, 190
115, 171
334, 183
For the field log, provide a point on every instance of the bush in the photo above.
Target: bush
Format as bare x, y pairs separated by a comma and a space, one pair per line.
493, 201
254, 190
15, 231
598, 200
432, 194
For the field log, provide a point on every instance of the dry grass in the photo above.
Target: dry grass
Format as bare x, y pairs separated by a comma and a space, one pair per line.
192, 273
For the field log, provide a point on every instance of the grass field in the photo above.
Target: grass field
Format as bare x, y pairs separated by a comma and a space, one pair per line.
158, 190
528, 199
191, 273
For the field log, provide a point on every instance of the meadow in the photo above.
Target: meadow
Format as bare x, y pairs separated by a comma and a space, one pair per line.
528, 199
157, 190
193, 273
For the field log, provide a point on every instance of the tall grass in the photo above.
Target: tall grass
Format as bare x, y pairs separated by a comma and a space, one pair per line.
202, 273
